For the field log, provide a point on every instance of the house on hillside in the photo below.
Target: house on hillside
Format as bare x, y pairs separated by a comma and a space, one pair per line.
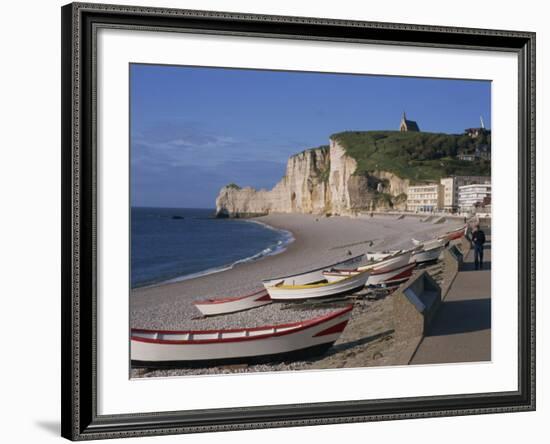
476, 132
482, 152
467, 157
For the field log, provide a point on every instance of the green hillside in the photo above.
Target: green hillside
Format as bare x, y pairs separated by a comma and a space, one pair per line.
416, 156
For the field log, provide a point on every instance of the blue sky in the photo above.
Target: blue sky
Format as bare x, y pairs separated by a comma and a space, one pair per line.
193, 130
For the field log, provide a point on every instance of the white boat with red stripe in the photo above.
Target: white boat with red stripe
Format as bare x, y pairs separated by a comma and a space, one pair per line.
455, 234
427, 254
311, 276
382, 276
392, 260
348, 284
297, 340
427, 251
380, 256
377, 256
212, 307
431, 243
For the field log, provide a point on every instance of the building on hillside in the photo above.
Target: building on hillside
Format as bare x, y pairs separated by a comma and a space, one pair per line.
474, 196
476, 132
467, 157
451, 185
425, 198
481, 153
408, 125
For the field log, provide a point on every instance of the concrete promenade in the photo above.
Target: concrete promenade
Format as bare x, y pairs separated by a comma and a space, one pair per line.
461, 331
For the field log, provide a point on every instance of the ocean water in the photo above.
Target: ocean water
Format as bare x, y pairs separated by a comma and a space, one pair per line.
170, 244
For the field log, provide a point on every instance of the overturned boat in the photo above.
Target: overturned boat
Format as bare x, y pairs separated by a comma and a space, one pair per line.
212, 307
311, 276
297, 340
348, 284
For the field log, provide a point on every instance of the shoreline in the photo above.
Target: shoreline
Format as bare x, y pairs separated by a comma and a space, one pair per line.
368, 339
318, 241
287, 238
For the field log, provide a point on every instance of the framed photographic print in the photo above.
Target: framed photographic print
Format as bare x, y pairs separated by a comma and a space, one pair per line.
277, 221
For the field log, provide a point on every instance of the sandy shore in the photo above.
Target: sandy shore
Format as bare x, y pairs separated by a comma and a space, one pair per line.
318, 241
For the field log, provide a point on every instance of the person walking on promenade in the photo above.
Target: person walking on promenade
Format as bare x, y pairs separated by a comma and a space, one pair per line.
478, 239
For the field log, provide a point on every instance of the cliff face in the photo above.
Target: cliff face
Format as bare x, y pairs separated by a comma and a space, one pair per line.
393, 184
303, 189
316, 181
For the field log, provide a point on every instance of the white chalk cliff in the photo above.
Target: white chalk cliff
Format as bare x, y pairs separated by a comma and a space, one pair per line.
317, 181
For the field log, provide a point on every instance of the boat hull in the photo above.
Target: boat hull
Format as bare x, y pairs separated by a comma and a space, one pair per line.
380, 255
379, 277
161, 348
433, 243
310, 276
392, 277
296, 355
213, 307
343, 286
453, 235
335, 276
427, 255
400, 259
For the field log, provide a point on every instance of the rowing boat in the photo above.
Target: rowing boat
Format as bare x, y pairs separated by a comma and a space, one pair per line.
322, 289
383, 276
427, 255
430, 250
391, 276
380, 255
211, 307
426, 252
394, 259
455, 234
432, 243
310, 276
297, 340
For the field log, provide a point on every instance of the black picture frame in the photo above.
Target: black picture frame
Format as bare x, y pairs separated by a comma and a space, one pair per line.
79, 386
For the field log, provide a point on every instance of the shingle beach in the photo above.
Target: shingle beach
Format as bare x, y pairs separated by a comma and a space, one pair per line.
318, 241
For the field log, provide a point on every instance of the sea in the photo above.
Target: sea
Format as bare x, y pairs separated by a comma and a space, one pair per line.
174, 244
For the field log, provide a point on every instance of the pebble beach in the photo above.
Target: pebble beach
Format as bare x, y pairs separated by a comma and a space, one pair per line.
318, 241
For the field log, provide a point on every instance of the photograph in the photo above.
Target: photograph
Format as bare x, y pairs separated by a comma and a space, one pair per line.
280, 219
287, 221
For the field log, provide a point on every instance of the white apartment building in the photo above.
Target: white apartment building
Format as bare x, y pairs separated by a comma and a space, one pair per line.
470, 195
425, 198
451, 186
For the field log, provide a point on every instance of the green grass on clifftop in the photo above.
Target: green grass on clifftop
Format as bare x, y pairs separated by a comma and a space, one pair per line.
416, 156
